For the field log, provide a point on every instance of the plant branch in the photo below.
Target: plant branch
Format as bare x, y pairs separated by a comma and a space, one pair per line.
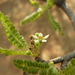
63, 59
69, 12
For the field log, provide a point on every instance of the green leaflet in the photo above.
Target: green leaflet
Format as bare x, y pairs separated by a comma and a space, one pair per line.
34, 3
54, 24
53, 71
70, 70
35, 64
43, 72
33, 67
14, 52
33, 16
13, 35
48, 4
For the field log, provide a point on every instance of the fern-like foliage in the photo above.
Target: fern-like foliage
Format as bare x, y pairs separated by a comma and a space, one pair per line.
35, 67
70, 70
13, 35
32, 16
38, 13
15, 52
54, 24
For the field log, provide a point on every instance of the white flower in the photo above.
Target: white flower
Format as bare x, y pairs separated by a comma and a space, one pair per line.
38, 37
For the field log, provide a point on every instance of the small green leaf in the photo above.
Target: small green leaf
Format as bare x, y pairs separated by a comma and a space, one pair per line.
32, 17
34, 3
48, 4
43, 72
51, 63
73, 61
28, 52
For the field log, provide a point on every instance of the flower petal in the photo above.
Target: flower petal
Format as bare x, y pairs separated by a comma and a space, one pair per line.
44, 40
40, 34
35, 37
46, 36
36, 41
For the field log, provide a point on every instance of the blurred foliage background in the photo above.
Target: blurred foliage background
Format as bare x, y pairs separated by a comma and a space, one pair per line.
56, 45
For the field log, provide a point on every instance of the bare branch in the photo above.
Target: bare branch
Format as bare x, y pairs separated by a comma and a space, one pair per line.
63, 59
66, 57
69, 12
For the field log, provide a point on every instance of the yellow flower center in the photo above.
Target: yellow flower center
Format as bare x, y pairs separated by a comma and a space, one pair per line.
40, 37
